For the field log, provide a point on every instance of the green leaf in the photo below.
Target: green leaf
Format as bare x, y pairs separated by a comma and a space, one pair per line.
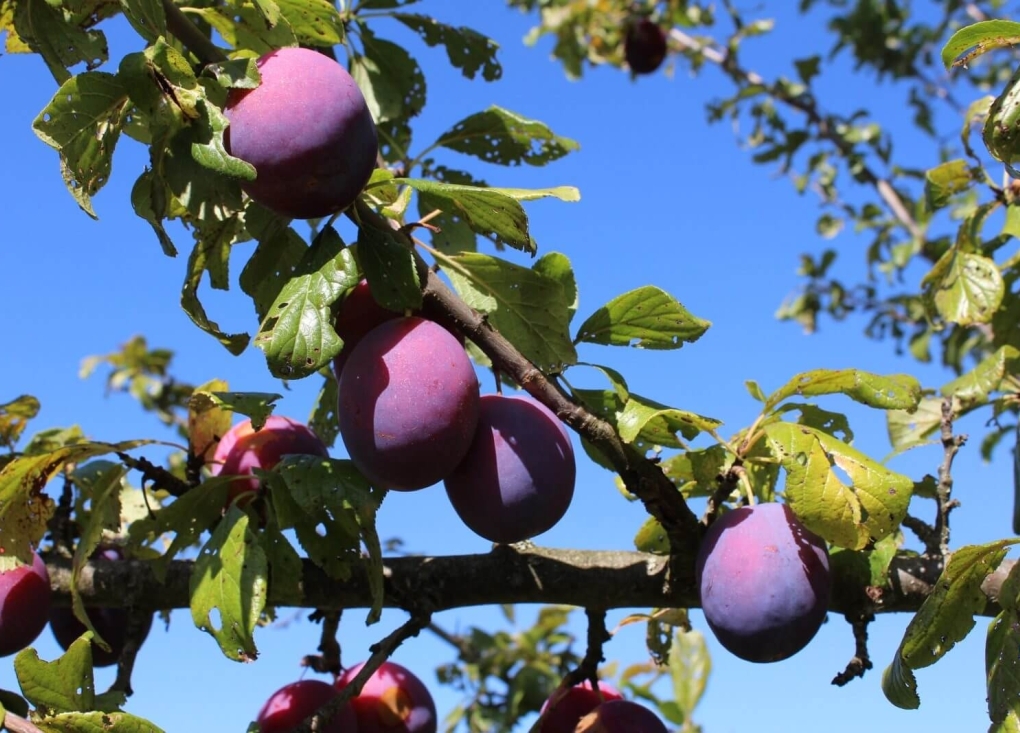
556, 266
100, 483
97, 722
977, 384
230, 576
333, 494
313, 22
256, 405
911, 429
186, 518
647, 318
963, 288
467, 49
208, 147
824, 420
83, 122
503, 137
689, 667
944, 619
207, 420
390, 79
63, 685
390, 269
279, 252
60, 42
285, 566
891, 392
900, 685
325, 420
850, 516
492, 212
149, 200
653, 423
297, 334
945, 180
651, 537
978, 38
242, 73
14, 417
147, 17
531, 310
24, 509
198, 263
1002, 657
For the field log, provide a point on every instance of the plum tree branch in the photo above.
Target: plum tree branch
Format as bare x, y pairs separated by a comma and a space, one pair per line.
805, 104
188, 33
642, 477
584, 578
17, 724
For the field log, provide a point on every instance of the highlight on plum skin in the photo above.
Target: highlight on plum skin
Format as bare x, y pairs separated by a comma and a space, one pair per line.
307, 131
621, 716
408, 404
25, 599
110, 623
291, 704
243, 449
393, 700
517, 479
764, 582
578, 701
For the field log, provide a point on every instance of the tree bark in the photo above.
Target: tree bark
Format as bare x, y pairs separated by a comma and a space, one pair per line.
507, 574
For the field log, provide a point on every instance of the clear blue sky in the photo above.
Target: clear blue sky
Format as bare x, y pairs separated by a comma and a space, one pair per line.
666, 200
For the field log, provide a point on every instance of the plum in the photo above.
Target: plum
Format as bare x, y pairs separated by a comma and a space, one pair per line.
578, 701
517, 479
306, 130
764, 582
242, 449
359, 313
621, 716
393, 700
644, 46
111, 623
25, 597
292, 703
408, 404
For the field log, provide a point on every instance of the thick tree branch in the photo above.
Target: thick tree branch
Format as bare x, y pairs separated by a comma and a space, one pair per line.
806, 104
585, 578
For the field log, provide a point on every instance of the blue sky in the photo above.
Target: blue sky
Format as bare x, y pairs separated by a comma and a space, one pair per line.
666, 200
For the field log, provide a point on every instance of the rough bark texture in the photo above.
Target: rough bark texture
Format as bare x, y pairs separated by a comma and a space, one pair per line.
592, 579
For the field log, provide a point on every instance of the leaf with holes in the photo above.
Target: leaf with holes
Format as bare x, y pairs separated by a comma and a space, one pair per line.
256, 405
963, 288
229, 577
531, 310
647, 318
297, 334
61, 43
200, 260
944, 619
500, 136
886, 392
977, 384
14, 417
1002, 657
943, 181
390, 268
868, 508
63, 685
83, 122
467, 49
390, 79
279, 252
313, 22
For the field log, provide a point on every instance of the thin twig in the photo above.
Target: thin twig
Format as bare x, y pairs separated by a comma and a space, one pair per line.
861, 661
806, 104
329, 660
138, 625
925, 532
727, 482
588, 669
381, 651
17, 724
188, 33
951, 445
159, 476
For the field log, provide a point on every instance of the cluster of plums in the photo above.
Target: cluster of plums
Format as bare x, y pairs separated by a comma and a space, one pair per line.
411, 415
394, 700
25, 609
